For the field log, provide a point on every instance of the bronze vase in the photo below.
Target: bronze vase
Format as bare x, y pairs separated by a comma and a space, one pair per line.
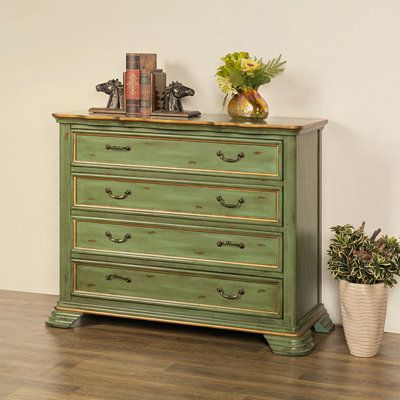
248, 104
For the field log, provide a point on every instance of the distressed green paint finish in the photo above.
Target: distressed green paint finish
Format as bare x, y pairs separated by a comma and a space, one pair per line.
257, 251
289, 224
261, 204
307, 221
194, 315
175, 242
324, 325
65, 205
166, 152
62, 319
293, 346
181, 289
173, 193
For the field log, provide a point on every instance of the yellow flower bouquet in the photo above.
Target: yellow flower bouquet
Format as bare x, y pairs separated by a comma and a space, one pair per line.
242, 73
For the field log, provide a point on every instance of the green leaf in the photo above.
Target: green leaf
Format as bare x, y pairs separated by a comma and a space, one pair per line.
274, 67
224, 102
236, 78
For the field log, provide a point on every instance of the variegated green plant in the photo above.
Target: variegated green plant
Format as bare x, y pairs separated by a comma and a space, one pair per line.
358, 258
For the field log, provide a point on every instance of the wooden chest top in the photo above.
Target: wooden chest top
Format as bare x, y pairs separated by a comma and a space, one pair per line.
211, 120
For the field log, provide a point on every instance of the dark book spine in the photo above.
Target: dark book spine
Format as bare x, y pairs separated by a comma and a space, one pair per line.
124, 100
145, 94
148, 60
158, 84
132, 84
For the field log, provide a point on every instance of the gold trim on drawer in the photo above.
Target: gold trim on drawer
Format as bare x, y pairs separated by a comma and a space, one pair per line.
172, 302
221, 216
160, 256
273, 175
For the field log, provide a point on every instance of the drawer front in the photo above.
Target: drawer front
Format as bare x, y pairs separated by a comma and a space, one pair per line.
179, 243
160, 197
216, 292
178, 154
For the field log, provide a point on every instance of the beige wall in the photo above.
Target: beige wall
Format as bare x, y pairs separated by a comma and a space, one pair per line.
343, 64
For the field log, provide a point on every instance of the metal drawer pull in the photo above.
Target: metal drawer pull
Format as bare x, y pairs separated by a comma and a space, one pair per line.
221, 155
117, 276
118, 148
229, 296
227, 205
125, 239
229, 243
116, 197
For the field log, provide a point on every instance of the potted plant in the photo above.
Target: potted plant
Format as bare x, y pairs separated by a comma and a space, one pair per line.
240, 76
366, 267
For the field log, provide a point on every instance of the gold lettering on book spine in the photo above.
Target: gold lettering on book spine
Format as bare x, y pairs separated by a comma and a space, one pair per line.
132, 82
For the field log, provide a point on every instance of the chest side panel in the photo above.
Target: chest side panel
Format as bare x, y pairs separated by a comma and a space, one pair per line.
307, 223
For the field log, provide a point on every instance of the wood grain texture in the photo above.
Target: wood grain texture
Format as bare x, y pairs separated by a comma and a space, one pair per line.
119, 359
295, 124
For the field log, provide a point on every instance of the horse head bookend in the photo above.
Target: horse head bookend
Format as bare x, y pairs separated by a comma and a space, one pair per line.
115, 89
115, 105
172, 103
173, 94
171, 100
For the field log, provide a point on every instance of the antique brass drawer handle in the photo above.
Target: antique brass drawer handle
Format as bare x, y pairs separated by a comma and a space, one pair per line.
229, 243
109, 277
227, 205
116, 197
229, 296
125, 239
221, 155
118, 148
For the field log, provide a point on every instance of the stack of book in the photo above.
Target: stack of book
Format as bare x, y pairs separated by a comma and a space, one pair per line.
143, 84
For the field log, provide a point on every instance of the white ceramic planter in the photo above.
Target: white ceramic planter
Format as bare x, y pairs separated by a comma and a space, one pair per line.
363, 314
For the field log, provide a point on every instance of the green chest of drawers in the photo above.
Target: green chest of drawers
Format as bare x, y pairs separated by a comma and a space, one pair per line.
202, 222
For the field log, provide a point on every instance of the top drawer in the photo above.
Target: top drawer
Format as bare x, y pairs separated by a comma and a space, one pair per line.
261, 159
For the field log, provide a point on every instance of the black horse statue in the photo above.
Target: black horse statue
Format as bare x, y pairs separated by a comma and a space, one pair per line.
115, 89
173, 94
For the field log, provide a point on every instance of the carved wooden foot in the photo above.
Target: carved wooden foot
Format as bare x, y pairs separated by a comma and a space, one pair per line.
62, 319
324, 325
291, 345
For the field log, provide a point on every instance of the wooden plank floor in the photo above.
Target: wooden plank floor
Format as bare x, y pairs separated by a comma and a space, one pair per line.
110, 358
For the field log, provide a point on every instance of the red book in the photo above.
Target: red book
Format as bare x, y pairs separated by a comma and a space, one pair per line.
132, 84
